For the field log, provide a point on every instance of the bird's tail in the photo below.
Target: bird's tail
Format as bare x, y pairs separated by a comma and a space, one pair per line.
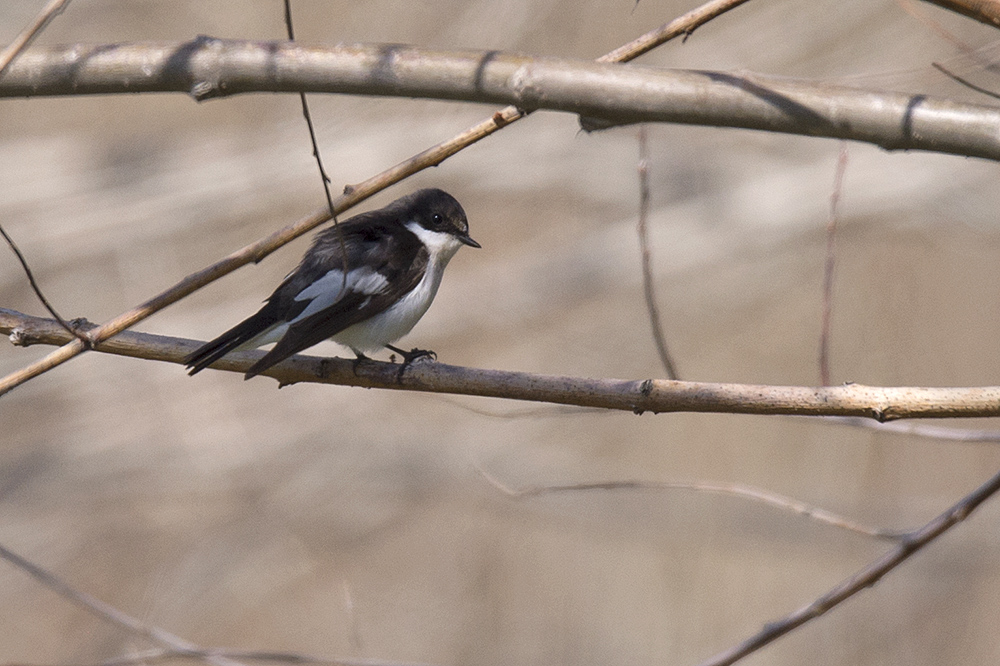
247, 331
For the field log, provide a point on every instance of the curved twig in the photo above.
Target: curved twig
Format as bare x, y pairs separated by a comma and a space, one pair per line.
773, 499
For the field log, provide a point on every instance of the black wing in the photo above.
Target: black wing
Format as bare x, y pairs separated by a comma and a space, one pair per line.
247, 330
375, 241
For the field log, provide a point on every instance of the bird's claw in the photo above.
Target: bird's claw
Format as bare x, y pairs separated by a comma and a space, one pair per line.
409, 357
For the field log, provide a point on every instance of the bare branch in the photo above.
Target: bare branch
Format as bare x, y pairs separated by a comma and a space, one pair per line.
34, 286
924, 430
603, 94
646, 259
649, 395
682, 25
984, 11
963, 81
105, 610
324, 178
159, 655
734, 489
21, 42
831, 257
352, 196
865, 578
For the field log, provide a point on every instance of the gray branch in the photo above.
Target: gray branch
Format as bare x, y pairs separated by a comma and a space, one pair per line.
602, 94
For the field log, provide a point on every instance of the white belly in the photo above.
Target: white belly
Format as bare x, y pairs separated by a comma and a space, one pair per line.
386, 327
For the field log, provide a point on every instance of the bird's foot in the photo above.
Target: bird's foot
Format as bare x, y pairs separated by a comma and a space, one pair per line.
357, 361
409, 357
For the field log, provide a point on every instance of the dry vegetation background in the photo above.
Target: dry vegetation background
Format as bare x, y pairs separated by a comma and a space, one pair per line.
354, 523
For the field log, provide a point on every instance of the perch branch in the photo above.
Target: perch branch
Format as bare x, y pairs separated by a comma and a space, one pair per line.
649, 395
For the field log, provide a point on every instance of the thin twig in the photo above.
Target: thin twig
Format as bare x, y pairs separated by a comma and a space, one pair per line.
865, 578
965, 82
324, 178
352, 196
106, 611
38, 290
831, 258
924, 430
28, 34
158, 655
882, 403
602, 94
647, 270
747, 492
683, 25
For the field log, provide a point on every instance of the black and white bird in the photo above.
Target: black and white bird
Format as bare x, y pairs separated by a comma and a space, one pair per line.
395, 259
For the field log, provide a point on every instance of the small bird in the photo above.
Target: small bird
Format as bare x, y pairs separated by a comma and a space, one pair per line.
395, 259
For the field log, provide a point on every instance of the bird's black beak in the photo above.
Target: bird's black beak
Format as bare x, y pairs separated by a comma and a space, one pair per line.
468, 241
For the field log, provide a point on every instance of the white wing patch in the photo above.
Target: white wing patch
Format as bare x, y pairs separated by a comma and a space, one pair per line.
326, 291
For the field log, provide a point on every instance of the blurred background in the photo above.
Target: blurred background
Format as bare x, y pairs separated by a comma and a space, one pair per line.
355, 523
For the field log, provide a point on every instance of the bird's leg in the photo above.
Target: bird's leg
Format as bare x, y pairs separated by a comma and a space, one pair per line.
409, 357
412, 355
357, 361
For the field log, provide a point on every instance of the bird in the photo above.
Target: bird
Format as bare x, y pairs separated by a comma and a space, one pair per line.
395, 257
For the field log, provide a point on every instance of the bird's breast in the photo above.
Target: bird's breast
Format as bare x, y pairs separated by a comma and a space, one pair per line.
398, 319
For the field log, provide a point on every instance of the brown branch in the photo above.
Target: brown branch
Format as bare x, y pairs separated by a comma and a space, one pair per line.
649, 395
353, 195
602, 94
734, 489
984, 11
21, 42
647, 271
865, 578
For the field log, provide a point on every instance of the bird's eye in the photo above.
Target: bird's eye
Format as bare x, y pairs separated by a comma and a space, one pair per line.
437, 219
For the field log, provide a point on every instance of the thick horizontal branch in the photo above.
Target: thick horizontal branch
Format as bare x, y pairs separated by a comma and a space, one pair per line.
648, 395
603, 94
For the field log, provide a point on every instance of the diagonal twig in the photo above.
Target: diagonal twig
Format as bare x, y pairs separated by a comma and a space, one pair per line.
324, 178
38, 290
105, 610
352, 196
21, 42
865, 578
